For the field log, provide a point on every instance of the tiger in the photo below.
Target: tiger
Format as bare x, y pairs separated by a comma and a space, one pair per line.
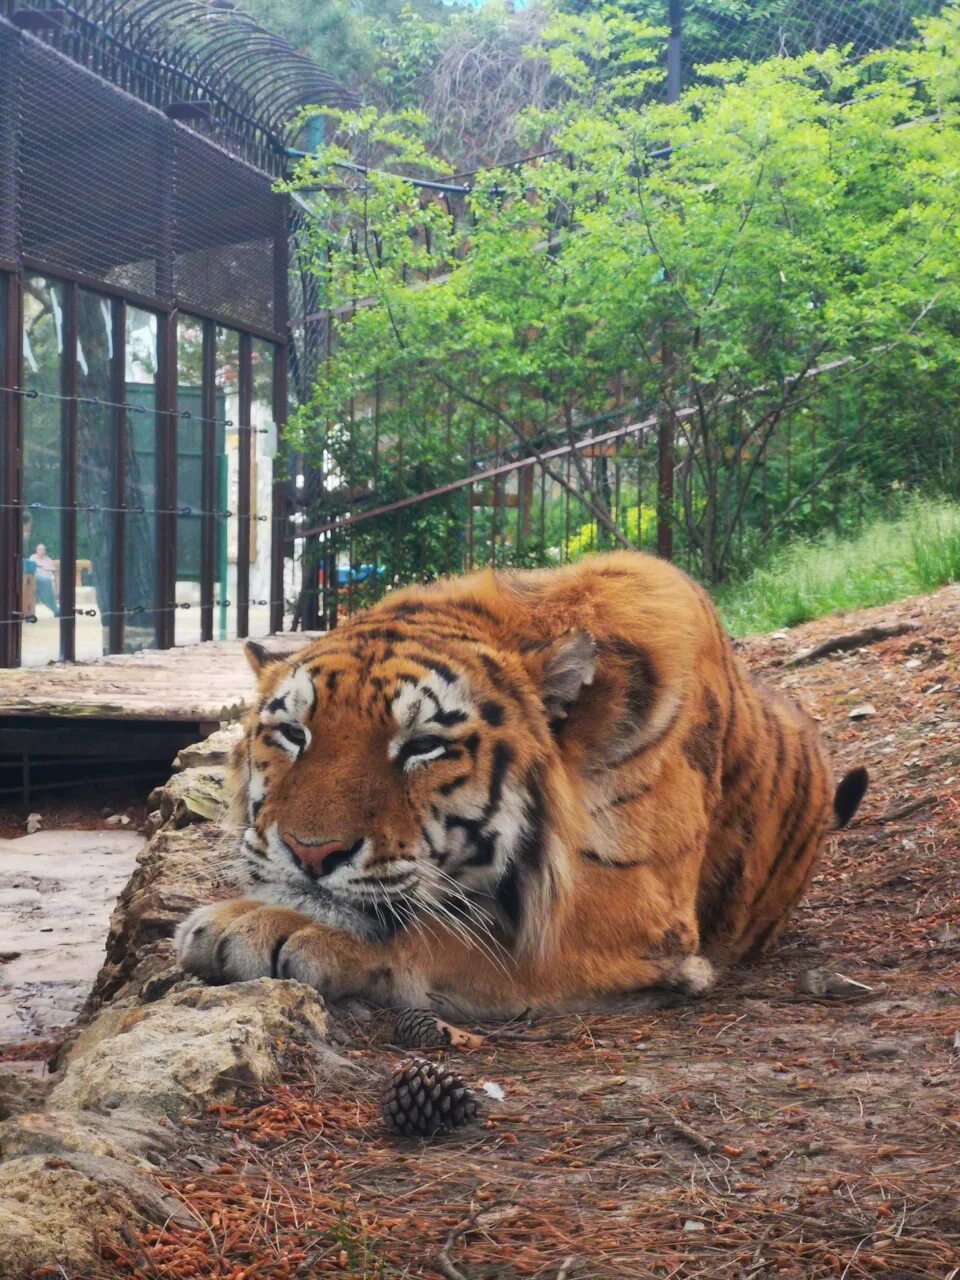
518, 789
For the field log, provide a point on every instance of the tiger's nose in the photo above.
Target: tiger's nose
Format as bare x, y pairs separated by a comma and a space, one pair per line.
320, 859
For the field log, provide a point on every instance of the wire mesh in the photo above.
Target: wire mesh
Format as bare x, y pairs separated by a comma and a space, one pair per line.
386, 504
786, 28
89, 159
9, 113
98, 186
208, 63
225, 219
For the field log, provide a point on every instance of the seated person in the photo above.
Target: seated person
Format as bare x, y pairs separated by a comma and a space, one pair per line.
45, 571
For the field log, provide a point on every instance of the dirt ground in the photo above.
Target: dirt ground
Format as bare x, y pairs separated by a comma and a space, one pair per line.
759, 1132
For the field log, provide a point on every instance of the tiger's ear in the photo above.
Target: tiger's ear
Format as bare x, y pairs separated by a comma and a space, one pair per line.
258, 655
568, 665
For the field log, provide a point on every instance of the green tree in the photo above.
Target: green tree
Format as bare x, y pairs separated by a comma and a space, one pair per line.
780, 281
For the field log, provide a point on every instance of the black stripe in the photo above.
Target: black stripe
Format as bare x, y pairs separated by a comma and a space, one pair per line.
492, 712
717, 896
701, 746
415, 747
484, 845
275, 955
643, 790
502, 679
502, 760
795, 813
448, 718
476, 608
618, 761
365, 632
447, 788
530, 856
441, 669
591, 855
439, 615
642, 681
532, 850
758, 943
509, 896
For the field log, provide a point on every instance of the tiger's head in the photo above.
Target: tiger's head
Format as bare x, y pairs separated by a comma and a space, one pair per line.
388, 776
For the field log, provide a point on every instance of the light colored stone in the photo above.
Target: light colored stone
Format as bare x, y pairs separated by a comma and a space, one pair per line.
195, 795
215, 750
863, 712
188, 1050
51, 1215
119, 1135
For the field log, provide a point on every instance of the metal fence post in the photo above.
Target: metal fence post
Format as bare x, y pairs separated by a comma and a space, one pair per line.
666, 429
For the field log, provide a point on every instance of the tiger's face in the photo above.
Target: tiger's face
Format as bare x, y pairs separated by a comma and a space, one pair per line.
381, 791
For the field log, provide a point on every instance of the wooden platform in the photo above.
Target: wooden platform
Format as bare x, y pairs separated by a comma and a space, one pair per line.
200, 682
83, 723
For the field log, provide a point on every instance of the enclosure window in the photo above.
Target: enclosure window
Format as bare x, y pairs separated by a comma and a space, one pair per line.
190, 498
43, 347
227, 483
99, 378
96, 476
264, 436
140, 452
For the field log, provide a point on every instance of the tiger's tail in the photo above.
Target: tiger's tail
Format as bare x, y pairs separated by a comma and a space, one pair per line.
846, 799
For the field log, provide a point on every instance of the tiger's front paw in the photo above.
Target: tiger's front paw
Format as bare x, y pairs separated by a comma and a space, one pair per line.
234, 941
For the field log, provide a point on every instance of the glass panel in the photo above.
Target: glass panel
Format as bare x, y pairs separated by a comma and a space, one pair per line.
140, 479
227, 484
42, 442
261, 485
189, 479
7, 551
96, 476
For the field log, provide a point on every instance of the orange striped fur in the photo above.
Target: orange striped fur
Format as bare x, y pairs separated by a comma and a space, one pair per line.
519, 788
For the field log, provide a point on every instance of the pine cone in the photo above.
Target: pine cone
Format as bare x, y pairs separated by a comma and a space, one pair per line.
424, 1097
420, 1029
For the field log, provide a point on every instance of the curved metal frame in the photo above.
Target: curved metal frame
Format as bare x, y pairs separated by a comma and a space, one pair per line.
165, 51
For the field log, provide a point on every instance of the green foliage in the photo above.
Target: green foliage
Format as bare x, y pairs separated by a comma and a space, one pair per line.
805, 216
890, 558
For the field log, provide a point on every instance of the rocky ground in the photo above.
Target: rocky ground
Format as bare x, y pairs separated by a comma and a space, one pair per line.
791, 1124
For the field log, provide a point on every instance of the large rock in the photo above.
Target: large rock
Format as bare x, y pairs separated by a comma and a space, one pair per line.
179, 870
192, 1048
118, 1136
55, 1210
215, 750
51, 1214
195, 795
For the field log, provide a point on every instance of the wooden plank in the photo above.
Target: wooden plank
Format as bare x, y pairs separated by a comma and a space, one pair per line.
210, 681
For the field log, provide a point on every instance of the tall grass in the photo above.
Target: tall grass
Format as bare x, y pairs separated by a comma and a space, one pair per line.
889, 559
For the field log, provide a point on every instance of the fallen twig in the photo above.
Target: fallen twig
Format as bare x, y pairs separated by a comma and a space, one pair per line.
904, 811
852, 640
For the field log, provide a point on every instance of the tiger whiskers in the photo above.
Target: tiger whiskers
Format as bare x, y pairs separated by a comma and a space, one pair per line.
479, 937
